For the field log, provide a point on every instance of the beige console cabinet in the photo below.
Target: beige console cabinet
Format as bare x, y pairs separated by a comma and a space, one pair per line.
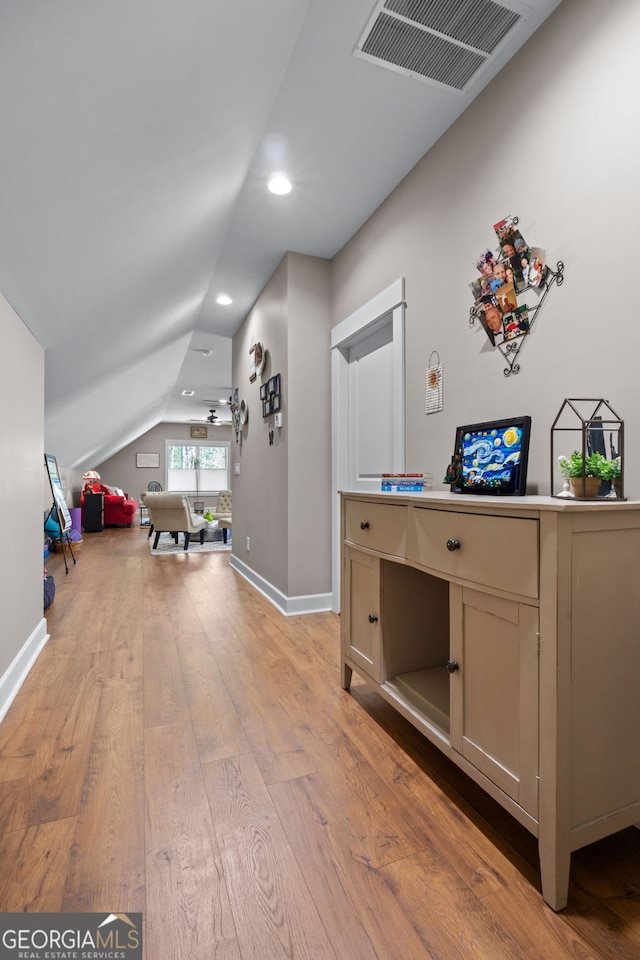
507, 630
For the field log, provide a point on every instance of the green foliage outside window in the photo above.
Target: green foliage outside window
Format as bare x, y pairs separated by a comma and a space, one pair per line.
200, 457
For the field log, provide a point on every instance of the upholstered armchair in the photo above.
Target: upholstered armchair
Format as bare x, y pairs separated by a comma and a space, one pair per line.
222, 512
171, 513
222, 508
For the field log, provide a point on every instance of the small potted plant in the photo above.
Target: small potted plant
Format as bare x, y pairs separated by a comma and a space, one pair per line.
613, 473
587, 474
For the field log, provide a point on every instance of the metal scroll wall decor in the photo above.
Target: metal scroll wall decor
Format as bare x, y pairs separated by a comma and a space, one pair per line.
503, 291
234, 406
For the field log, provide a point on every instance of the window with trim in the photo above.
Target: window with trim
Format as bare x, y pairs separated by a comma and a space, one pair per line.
197, 467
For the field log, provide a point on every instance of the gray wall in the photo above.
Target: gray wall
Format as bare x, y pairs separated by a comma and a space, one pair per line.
554, 140
121, 471
22, 473
260, 491
281, 497
309, 420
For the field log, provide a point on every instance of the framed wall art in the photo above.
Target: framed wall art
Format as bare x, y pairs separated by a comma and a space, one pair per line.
270, 395
148, 460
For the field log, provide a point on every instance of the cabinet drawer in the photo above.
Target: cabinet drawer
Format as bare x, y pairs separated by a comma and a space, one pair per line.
379, 526
498, 552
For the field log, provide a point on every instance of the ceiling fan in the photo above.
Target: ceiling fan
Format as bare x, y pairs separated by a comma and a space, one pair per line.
212, 418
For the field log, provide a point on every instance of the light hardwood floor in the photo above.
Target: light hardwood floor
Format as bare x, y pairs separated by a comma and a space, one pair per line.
181, 749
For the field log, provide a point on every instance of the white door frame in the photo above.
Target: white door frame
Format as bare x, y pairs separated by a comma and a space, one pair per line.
349, 331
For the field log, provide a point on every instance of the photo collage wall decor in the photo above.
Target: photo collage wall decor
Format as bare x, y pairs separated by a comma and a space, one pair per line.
505, 277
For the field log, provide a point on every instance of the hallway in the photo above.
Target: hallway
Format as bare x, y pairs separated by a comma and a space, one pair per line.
183, 750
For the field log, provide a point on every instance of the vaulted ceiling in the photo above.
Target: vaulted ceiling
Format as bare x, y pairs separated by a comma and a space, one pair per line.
137, 137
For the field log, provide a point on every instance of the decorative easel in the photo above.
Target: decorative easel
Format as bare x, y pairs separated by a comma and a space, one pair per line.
59, 508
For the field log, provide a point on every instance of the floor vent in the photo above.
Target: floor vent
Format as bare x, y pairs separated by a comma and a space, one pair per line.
446, 42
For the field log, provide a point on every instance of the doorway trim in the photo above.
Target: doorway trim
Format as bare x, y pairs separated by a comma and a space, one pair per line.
388, 306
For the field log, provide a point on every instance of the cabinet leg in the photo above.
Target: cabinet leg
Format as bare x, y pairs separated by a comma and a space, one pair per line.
554, 874
347, 673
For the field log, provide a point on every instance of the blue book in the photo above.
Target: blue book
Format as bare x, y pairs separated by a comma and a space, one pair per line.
403, 487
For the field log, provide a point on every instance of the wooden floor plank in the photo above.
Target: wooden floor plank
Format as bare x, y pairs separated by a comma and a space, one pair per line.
56, 756
428, 890
35, 862
204, 589
274, 912
107, 857
61, 761
216, 725
164, 694
620, 854
358, 907
374, 805
545, 934
265, 718
184, 877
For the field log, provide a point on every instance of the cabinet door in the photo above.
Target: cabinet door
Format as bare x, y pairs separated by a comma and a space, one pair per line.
494, 690
361, 630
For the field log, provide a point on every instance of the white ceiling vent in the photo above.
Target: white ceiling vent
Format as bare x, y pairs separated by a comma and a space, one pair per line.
446, 42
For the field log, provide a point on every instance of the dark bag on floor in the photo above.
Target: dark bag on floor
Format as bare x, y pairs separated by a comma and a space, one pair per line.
49, 591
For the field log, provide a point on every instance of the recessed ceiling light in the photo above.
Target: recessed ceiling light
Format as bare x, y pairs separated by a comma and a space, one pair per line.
188, 393
279, 184
223, 300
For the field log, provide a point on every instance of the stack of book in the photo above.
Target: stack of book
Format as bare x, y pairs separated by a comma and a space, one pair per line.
403, 482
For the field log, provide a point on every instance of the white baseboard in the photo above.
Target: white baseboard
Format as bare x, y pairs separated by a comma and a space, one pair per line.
18, 670
289, 606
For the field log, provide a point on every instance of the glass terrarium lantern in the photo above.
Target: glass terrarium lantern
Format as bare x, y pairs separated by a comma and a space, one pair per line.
587, 451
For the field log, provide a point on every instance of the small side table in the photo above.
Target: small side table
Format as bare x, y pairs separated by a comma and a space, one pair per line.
144, 514
93, 512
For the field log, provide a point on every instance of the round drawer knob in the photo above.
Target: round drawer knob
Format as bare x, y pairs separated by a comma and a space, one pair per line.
453, 545
452, 666
364, 525
373, 618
